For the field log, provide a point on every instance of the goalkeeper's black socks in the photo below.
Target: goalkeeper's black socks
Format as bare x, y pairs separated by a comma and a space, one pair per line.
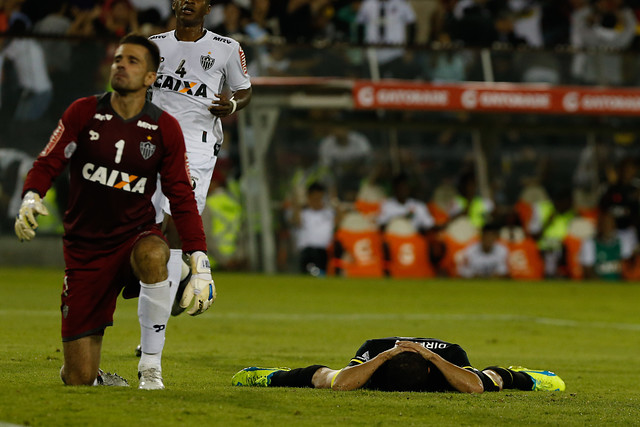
513, 379
300, 377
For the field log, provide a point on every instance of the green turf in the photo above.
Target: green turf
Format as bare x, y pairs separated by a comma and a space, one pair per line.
588, 333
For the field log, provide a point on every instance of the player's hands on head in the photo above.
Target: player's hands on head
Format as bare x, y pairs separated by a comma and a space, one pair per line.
26, 224
415, 347
223, 106
200, 292
394, 351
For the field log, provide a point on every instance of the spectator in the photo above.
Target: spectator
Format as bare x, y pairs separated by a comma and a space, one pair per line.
472, 23
553, 231
347, 156
85, 15
605, 24
314, 225
428, 16
478, 208
448, 66
505, 29
345, 21
153, 11
486, 258
119, 18
223, 218
602, 256
296, 19
556, 21
261, 24
58, 53
622, 200
234, 21
27, 57
387, 22
527, 22
401, 205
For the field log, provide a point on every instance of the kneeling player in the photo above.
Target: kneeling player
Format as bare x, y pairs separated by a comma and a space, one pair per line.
405, 364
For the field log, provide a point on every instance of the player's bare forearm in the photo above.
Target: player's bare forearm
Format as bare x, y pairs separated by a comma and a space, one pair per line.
354, 377
227, 105
459, 378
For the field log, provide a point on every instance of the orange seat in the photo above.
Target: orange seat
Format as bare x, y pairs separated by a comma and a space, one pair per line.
368, 208
360, 255
408, 256
440, 215
579, 230
459, 234
357, 248
524, 260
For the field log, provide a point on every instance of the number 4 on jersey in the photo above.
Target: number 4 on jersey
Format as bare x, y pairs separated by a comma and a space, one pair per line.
180, 70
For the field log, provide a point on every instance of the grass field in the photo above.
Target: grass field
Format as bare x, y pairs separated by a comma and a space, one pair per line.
588, 333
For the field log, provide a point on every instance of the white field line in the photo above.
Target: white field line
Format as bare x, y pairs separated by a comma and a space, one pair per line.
341, 317
355, 317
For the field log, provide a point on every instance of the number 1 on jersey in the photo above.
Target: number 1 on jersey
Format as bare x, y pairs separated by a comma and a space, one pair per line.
120, 147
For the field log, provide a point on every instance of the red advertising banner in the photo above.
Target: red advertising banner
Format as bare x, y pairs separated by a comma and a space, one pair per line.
496, 97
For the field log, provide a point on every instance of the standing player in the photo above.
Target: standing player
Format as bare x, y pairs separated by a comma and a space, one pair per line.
195, 66
116, 144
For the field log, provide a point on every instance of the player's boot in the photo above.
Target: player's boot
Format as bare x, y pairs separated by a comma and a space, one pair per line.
109, 379
256, 377
542, 380
185, 276
150, 379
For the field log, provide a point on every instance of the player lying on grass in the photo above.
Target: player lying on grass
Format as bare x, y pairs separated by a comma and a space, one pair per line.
115, 144
405, 364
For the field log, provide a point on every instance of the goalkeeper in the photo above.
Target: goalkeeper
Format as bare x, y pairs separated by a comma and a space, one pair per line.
405, 364
115, 145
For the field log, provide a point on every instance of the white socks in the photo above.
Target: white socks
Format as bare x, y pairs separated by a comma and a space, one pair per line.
175, 271
154, 309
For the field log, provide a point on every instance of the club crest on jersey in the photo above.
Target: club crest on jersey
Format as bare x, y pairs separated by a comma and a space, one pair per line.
206, 62
147, 149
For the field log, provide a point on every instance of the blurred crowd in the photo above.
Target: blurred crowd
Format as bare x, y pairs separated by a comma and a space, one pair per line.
355, 220
478, 23
538, 184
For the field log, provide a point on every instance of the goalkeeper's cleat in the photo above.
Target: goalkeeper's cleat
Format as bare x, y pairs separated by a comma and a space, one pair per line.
109, 379
150, 379
255, 377
185, 276
542, 380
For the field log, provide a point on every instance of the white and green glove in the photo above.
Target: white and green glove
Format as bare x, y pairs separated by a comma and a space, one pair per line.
200, 292
26, 223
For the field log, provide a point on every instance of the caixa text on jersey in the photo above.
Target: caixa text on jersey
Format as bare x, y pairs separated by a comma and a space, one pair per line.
181, 86
114, 179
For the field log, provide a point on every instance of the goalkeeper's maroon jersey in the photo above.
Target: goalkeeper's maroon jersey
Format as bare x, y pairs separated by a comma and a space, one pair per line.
113, 166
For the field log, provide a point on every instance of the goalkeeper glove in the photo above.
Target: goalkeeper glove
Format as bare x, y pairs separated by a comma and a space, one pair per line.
200, 290
26, 223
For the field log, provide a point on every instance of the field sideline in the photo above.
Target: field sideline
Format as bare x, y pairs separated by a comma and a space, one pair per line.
588, 333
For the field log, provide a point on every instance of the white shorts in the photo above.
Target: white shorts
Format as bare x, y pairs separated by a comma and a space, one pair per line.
201, 170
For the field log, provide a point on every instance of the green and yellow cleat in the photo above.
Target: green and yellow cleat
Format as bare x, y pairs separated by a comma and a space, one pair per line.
542, 380
255, 377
